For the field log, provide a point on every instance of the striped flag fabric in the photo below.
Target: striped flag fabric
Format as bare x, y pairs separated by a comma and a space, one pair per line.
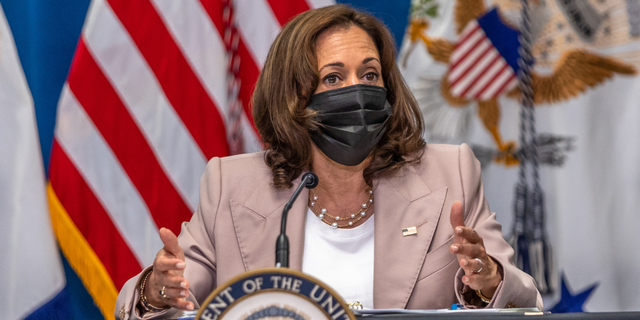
155, 89
31, 271
484, 62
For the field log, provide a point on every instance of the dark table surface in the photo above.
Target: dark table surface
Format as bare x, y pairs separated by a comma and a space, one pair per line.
505, 316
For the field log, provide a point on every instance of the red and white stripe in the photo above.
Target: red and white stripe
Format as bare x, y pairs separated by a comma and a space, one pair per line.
144, 108
477, 71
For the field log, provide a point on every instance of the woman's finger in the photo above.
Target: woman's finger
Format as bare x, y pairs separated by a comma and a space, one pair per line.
163, 264
473, 280
468, 249
180, 303
456, 219
469, 234
471, 266
170, 242
172, 293
175, 282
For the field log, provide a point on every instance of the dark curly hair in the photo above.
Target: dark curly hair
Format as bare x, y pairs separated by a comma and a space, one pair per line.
289, 78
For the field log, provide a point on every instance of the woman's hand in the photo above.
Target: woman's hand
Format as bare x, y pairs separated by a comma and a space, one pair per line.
468, 246
168, 270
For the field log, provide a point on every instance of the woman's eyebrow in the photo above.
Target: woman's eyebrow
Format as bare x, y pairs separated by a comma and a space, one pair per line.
370, 59
333, 64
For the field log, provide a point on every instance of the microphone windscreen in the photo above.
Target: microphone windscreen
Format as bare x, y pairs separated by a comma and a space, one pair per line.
312, 180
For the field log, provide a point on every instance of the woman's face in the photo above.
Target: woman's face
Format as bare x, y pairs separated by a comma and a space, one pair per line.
347, 57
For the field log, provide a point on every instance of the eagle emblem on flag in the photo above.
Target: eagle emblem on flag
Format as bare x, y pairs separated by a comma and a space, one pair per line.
483, 66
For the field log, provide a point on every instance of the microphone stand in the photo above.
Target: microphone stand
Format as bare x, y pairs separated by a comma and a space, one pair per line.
310, 181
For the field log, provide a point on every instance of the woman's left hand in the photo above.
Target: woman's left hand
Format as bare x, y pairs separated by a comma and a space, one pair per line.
480, 275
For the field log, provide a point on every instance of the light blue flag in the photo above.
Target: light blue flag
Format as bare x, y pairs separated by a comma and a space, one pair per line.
31, 272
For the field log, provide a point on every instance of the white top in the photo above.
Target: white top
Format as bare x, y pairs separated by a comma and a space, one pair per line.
341, 258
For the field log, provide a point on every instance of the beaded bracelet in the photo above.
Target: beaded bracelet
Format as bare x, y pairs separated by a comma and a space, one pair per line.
482, 297
143, 299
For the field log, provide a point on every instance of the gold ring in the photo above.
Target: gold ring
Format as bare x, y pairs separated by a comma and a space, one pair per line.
162, 293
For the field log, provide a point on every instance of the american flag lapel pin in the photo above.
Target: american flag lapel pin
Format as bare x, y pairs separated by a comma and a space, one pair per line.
409, 231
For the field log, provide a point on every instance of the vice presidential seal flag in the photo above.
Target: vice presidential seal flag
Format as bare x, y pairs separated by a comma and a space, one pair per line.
30, 269
584, 82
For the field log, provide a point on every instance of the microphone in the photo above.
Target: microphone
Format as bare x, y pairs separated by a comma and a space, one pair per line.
310, 181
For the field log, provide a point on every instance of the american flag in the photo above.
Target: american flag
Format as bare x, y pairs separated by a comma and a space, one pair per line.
156, 88
484, 62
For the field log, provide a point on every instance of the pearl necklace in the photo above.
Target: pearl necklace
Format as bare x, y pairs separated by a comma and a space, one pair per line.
332, 220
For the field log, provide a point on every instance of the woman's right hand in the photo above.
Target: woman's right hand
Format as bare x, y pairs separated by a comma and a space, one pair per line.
168, 271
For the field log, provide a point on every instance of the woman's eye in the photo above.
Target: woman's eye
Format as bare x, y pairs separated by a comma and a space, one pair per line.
371, 76
331, 79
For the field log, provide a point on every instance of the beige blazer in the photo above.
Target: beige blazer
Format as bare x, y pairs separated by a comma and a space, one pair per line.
235, 226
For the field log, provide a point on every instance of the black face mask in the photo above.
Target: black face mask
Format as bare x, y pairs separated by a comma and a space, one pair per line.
352, 121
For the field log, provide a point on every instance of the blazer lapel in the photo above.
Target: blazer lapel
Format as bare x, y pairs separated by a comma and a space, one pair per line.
257, 221
403, 201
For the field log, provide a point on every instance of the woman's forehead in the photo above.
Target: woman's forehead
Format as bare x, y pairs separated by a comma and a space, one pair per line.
342, 43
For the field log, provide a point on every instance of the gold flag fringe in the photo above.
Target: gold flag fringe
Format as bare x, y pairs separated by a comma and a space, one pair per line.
82, 258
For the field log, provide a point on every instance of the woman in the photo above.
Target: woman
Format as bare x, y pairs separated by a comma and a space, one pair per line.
377, 227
